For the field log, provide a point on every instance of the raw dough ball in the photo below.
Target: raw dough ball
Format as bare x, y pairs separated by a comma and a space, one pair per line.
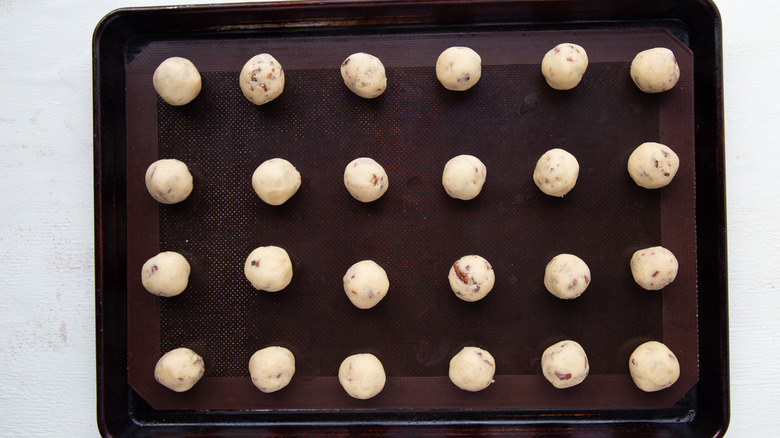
179, 369
262, 79
463, 177
166, 274
364, 74
472, 369
565, 364
471, 278
272, 368
566, 276
275, 181
177, 81
654, 268
556, 172
653, 165
564, 65
365, 284
362, 376
268, 268
653, 367
168, 181
655, 70
365, 179
459, 68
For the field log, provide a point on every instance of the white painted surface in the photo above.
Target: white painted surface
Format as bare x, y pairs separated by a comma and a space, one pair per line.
47, 348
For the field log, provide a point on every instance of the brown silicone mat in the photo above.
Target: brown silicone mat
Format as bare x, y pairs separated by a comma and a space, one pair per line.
415, 231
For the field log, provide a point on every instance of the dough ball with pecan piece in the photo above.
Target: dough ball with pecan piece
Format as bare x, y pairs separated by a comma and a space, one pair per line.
261, 79
653, 165
471, 278
463, 177
565, 364
177, 81
556, 172
653, 367
566, 276
365, 284
275, 181
365, 179
564, 65
271, 368
169, 181
362, 376
364, 75
268, 268
179, 370
166, 274
654, 268
472, 369
459, 68
655, 70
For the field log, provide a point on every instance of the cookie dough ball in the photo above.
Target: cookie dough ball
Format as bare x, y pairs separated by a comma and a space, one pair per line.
463, 177
166, 274
365, 179
654, 268
365, 284
268, 268
362, 376
364, 75
179, 370
564, 65
272, 368
168, 181
459, 68
653, 165
261, 79
275, 181
556, 172
655, 70
471, 278
472, 369
177, 81
565, 364
566, 276
653, 367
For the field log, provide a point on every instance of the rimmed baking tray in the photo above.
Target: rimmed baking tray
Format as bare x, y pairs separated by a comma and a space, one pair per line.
509, 119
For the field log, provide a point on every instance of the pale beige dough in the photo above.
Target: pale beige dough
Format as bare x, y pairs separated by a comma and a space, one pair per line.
472, 369
471, 278
653, 367
365, 284
566, 276
556, 172
272, 368
261, 79
177, 81
564, 65
565, 364
166, 274
653, 165
654, 268
459, 68
365, 179
655, 70
463, 177
362, 376
268, 268
275, 181
169, 181
179, 370
364, 75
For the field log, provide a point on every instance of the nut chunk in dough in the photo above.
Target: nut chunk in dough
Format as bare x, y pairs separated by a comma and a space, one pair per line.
268, 268
556, 172
459, 68
655, 70
275, 181
262, 79
653, 165
654, 268
653, 367
472, 369
272, 368
362, 376
463, 177
177, 81
566, 276
179, 370
169, 181
364, 75
365, 179
166, 274
565, 364
365, 284
471, 278
564, 65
